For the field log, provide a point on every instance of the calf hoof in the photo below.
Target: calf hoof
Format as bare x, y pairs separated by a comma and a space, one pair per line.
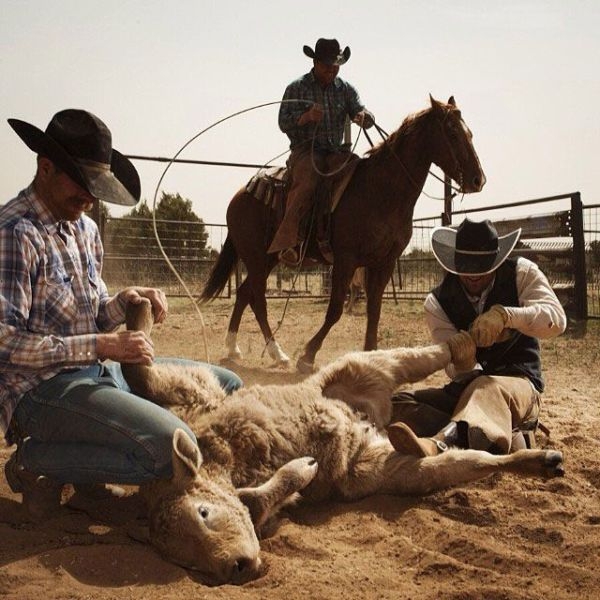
305, 367
553, 463
298, 473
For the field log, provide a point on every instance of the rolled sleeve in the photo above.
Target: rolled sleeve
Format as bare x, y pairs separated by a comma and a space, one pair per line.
540, 313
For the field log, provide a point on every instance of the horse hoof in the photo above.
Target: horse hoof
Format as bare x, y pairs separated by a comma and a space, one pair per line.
304, 367
554, 464
235, 355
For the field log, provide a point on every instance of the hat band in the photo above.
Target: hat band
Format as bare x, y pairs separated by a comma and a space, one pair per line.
93, 165
477, 252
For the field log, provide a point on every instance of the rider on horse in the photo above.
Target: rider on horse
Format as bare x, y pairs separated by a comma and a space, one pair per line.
316, 136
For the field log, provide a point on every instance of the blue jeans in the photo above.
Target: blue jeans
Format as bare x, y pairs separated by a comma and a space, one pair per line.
85, 426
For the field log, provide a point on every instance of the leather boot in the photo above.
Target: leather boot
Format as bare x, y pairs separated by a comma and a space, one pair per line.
404, 440
41, 495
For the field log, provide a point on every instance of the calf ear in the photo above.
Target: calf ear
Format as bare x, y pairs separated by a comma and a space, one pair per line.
186, 458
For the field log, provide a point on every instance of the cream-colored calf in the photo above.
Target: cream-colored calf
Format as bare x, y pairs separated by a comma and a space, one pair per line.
260, 446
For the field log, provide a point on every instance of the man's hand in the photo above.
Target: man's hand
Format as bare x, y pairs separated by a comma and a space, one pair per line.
125, 346
488, 326
462, 350
364, 118
158, 300
313, 115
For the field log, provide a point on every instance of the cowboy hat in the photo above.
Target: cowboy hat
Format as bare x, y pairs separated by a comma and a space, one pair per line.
328, 51
473, 248
80, 144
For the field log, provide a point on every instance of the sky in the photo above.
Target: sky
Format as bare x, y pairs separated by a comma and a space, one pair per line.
524, 73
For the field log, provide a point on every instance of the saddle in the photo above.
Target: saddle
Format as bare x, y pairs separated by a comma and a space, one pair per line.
271, 185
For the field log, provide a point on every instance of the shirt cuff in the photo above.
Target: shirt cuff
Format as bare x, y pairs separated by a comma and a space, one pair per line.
81, 349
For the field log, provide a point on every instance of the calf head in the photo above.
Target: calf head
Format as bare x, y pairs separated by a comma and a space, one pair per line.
198, 521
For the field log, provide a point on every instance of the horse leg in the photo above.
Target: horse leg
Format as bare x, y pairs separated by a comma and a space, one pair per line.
377, 469
242, 299
258, 303
340, 278
376, 283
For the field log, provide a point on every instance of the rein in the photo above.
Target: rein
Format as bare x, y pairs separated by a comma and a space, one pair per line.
384, 136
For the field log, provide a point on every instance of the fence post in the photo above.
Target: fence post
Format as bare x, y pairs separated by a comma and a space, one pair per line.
579, 256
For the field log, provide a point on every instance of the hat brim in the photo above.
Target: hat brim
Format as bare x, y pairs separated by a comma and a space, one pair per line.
443, 244
119, 185
341, 59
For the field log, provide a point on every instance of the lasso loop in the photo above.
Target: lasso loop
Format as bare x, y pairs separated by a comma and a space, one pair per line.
202, 132
160, 180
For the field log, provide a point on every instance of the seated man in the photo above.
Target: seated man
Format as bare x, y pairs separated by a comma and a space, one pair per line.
506, 305
70, 413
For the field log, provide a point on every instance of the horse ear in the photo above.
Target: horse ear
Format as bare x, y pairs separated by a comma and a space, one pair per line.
435, 105
451, 101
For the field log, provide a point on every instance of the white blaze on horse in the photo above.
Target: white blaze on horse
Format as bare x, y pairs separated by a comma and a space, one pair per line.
370, 226
262, 445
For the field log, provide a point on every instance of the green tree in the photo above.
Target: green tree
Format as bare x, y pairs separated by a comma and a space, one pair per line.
181, 232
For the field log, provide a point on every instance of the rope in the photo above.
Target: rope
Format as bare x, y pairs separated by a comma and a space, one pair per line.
156, 235
172, 160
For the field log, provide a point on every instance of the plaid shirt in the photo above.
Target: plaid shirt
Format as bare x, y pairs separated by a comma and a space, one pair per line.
53, 301
340, 99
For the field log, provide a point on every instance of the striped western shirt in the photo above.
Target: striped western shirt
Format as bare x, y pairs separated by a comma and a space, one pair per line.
53, 300
338, 100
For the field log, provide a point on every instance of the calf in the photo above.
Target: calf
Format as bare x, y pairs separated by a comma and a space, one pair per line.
262, 445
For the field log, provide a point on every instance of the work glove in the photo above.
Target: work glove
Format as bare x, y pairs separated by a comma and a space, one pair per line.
462, 350
487, 328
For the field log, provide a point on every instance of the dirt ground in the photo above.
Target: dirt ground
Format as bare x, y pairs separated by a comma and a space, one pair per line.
499, 539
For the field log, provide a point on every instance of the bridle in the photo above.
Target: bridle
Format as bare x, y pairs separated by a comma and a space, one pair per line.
384, 136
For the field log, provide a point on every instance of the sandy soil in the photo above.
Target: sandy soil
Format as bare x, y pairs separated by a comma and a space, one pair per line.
501, 538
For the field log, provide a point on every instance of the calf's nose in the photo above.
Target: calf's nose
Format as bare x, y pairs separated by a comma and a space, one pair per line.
245, 568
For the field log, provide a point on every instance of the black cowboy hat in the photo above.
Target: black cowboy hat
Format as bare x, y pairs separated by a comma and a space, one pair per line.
328, 51
473, 248
80, 144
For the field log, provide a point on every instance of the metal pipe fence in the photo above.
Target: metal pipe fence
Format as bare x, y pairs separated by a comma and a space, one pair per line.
133, 256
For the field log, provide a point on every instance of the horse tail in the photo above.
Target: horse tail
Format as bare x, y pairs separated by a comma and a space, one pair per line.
219, 276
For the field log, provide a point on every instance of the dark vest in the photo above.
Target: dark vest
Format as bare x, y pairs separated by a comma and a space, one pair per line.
520, 354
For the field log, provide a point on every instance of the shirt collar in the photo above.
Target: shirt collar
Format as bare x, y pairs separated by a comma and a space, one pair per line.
44, 215
480, 300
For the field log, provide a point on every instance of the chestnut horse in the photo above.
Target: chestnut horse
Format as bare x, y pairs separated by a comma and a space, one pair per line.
370, 227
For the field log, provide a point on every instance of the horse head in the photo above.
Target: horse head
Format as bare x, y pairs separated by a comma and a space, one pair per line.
454, 152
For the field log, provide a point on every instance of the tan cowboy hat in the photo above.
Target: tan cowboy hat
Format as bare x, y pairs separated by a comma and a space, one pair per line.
80, 144
473, 248
328, 51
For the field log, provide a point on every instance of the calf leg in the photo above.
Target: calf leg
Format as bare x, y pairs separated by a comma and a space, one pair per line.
190, 387
405, 475
380, 470
367, 380
282, 489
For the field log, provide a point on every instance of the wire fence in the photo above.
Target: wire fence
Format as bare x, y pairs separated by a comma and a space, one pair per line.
133, 257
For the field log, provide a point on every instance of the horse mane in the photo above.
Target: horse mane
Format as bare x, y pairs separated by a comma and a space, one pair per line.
410, 124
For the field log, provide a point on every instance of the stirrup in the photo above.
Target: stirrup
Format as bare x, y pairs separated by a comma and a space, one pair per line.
289, 257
